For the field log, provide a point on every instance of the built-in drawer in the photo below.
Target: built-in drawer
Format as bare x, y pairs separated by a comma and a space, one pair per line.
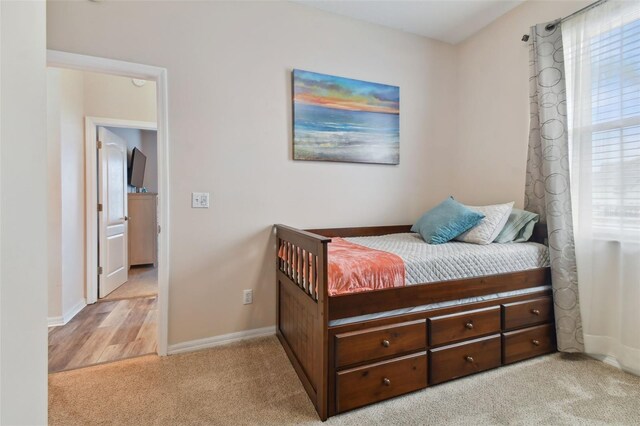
462, 359
464, 325
526, 313
375, 382
380, 342
527, 343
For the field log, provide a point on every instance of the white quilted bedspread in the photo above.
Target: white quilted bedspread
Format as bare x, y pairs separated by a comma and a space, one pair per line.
429, 263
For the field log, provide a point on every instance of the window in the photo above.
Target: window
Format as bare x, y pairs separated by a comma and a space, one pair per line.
603, 85
616, 128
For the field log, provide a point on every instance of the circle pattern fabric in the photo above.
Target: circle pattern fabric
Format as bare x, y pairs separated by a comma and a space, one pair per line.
547, 188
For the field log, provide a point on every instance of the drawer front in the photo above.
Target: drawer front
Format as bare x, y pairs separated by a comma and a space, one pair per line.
528, 312
380, 342
527, 343
374, 382
462, 359
465, 325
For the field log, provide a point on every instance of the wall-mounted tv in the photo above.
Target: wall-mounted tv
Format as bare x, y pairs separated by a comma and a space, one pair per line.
136, 171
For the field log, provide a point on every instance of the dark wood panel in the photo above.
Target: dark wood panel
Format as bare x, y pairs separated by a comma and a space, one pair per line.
304, 379
300, 237
527, 313
303, 309
336, 329
380, 342
367, 231
465, 325
528, 343
375, 382
296, 327
462, 359
368, 302
539, 231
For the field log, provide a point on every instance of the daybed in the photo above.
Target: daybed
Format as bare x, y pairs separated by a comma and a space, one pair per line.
357, 348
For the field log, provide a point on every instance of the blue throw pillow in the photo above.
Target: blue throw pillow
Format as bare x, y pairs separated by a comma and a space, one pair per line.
446, 221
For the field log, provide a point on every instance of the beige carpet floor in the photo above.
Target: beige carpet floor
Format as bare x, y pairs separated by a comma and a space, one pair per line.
142, 282
252, 383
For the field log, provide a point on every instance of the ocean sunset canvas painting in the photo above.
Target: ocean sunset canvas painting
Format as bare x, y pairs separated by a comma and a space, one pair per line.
340, 119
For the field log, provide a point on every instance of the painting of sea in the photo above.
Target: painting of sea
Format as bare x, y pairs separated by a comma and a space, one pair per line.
341, 119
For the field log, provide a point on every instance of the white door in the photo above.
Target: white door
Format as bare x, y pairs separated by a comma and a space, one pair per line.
112, 194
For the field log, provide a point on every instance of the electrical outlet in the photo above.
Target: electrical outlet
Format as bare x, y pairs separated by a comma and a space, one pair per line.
200, 200
247, 297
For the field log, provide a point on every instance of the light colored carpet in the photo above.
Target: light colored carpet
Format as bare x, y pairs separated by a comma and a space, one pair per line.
142, 282
252, 383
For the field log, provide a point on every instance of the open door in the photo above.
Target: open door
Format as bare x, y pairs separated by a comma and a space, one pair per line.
112, 195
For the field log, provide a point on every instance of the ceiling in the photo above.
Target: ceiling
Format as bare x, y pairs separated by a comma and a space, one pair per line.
450, 21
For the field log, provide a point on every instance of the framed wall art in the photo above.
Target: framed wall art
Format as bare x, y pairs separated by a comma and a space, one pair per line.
346, 120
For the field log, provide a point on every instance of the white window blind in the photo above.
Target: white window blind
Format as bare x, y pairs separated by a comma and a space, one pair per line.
602, 63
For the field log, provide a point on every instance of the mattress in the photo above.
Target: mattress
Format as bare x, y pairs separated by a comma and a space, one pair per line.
447, 304
427, 263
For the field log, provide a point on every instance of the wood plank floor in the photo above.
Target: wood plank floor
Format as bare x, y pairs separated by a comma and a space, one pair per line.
142, 282
103, 332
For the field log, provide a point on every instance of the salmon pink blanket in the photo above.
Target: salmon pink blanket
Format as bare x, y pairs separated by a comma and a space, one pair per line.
354, 268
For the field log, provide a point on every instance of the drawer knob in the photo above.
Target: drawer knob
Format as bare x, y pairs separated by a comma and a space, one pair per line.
536, 342
386, 382
535, 312
468, 358
469, 325
386, 343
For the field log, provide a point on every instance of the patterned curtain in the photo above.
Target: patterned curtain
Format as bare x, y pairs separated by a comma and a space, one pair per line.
547, 189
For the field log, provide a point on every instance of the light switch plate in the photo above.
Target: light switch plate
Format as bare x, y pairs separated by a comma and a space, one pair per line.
200, 200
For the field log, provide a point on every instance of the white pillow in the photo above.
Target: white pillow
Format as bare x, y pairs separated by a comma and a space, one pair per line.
495, 217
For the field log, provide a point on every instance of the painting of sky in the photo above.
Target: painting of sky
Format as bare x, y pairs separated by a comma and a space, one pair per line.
341, 119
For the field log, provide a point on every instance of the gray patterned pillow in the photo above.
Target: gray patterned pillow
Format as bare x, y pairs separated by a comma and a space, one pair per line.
495, 217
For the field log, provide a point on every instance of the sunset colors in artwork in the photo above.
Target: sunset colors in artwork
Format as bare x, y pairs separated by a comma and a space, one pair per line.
345, 93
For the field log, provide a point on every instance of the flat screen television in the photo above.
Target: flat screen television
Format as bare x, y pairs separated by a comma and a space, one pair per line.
136, 171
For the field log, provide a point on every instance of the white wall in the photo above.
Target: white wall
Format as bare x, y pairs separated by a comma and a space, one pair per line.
493, 98
23, 209
66, 218
116, 97
72, 189
54, 196
229, 79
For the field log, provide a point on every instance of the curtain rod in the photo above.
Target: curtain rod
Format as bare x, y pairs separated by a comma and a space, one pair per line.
550, 26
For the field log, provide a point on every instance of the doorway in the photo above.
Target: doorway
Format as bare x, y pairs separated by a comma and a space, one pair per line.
130, 262
117, 290
125, 239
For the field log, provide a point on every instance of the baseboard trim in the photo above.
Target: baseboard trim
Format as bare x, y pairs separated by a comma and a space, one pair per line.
55, 321
67, 316
224, 339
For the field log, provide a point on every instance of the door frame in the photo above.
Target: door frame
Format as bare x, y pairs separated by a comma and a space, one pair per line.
91, 125
146, 72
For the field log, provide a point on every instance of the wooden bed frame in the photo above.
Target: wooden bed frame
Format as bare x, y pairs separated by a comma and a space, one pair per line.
348, 366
